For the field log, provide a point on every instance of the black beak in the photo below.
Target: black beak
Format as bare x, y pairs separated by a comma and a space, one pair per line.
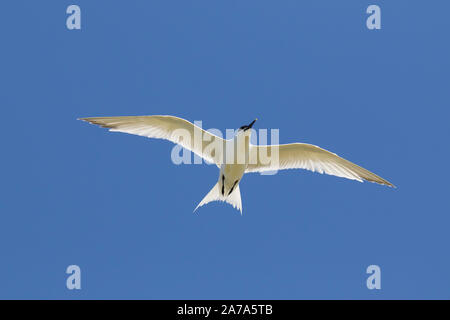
252, 123
245, 128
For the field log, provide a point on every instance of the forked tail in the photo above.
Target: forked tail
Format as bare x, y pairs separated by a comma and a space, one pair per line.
214, 195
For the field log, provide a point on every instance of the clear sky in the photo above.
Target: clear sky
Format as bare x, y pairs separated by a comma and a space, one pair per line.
116, 205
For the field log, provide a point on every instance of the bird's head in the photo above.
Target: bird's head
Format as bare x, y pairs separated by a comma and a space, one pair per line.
246, 128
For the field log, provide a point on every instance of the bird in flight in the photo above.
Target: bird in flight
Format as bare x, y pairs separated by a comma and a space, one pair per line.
237, 156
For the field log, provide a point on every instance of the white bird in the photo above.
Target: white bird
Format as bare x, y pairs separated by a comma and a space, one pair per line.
246, 158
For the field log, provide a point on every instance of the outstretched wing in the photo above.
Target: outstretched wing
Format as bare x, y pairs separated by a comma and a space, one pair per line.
170, 128
309, 157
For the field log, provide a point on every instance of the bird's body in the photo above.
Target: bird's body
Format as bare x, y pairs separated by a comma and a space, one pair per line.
232, 171
229, 177
236, 156
235, 160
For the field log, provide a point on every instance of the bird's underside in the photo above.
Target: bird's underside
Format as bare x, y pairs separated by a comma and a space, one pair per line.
285, 156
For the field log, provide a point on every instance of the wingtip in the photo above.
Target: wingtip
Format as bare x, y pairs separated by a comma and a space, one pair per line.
388, 184
381, 183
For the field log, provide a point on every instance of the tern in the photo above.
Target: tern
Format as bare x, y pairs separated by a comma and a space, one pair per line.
288, 156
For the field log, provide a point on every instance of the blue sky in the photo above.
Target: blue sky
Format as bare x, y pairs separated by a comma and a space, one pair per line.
115, 204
